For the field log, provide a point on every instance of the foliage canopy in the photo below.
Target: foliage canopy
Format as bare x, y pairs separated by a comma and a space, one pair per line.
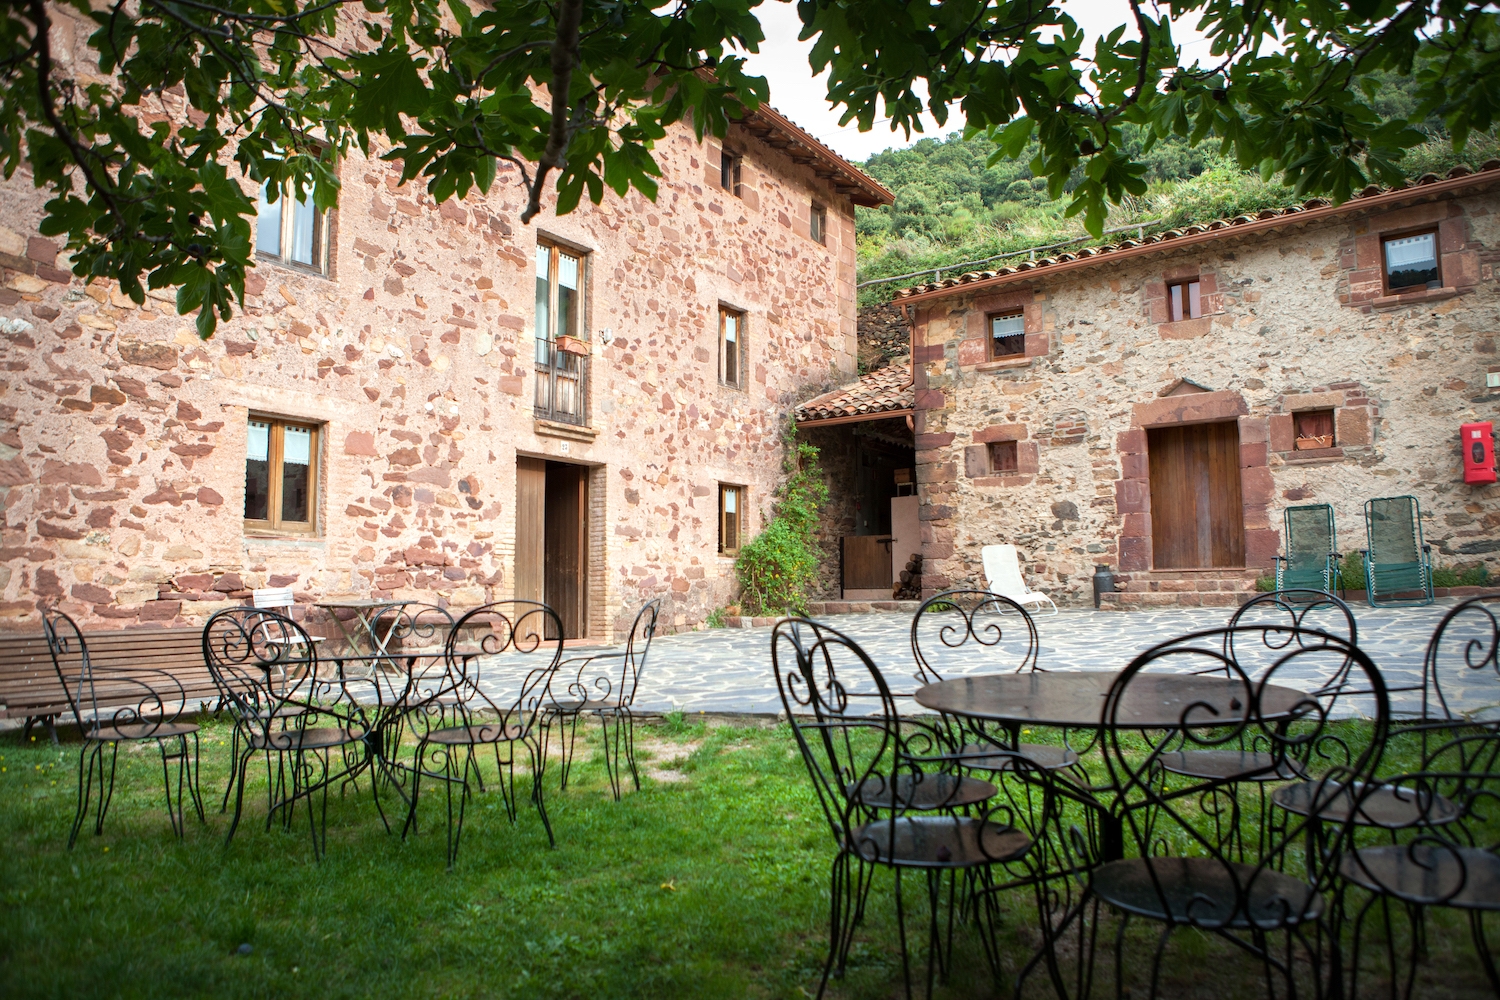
135, 136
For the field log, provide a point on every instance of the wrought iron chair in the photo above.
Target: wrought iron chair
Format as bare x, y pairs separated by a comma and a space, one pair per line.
115, 706
1462, 665
957, 625
1397, 560
887, 787
1311, 562
1448, 857
459, 710
1184, 874
604, 686
266, 669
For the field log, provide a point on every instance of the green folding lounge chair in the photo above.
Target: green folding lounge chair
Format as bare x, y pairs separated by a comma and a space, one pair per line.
1397, 561
1311, 561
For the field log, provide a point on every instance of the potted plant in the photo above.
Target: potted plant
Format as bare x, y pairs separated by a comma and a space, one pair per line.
572, 345
1311, 443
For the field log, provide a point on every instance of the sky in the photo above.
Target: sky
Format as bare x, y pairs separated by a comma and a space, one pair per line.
782, 60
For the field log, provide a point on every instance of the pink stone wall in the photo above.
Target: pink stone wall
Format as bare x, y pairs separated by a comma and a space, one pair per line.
122, 448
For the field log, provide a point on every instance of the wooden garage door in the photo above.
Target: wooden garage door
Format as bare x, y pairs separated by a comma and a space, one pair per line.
1197, 514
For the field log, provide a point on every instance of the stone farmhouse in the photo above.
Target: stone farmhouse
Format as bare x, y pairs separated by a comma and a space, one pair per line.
433, 401
1155, 404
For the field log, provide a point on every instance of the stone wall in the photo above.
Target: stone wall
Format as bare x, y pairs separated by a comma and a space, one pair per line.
122, 451
884, 335
1292, 322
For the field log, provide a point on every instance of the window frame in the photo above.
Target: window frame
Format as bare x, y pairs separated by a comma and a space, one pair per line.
818, 233
1186, 305
741, 354
1437, 257
993, 450
740, 493
730, 168
275, 450
321, 229
990, 338
1299, 415
578, 331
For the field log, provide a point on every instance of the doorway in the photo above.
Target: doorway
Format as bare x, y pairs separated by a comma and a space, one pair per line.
552, 540
1197, 512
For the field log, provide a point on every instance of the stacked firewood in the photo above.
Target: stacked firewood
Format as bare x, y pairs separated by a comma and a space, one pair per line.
909, 588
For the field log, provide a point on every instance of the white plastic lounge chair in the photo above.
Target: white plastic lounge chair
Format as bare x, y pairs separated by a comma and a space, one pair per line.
1002, 572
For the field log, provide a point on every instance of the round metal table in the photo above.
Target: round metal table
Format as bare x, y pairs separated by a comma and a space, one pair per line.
1074, 699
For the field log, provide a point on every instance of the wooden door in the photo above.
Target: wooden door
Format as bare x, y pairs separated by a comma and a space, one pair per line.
531, 521
867, 562
566, 541
1197, 514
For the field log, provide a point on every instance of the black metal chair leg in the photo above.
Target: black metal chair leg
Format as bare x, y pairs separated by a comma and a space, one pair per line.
536, 792
239, 794
1476, 930
174, 816
87, 754
107, 789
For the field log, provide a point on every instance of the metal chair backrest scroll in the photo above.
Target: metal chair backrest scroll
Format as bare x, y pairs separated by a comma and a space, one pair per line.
262, 663
99, 699
964, 628
621, 692
1303, 617
493, 648
1461, 669
1192, 817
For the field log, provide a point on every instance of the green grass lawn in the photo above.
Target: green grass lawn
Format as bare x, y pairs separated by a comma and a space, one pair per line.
711, 881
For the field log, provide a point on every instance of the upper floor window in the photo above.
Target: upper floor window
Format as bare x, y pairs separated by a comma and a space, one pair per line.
1008, 335
817, 223
281, 476
731, 518
1004, 456
1411, 262
562, 353
731, 347
290, 230
1314, 429
729, 172
1184, 301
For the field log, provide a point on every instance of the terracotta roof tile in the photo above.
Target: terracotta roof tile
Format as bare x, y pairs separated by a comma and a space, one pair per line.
1490, 167
878, 392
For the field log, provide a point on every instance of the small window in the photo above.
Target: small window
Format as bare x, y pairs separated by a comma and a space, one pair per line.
1314, 429
290, 231
1411, 262
1184, 301
1003, 456
1008, 335
731, 347
281, 476
729, 172
731, 518
817, 224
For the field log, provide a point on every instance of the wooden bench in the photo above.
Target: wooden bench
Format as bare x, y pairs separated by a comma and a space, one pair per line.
29, 687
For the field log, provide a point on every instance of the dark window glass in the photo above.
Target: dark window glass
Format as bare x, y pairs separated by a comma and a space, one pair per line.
296, 469
258, 472
817, 226
729, 173
1411, 262
731, 337
1003, 456
1007, 335
561, 364
730, 513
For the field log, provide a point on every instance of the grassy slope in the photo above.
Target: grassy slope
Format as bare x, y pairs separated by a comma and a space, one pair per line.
711, 886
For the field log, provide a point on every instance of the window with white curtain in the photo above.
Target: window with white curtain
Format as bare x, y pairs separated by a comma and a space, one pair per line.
290, 230
1411, 262
281, 476
562, 348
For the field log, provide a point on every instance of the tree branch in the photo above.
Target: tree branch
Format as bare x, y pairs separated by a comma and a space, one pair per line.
564, 60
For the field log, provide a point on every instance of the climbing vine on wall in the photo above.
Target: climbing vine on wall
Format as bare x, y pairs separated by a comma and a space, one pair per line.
777, 566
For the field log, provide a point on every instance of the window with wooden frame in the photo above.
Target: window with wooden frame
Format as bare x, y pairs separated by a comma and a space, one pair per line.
1410, 262
731, 347
817, 223
1007, 335
281, 476
291, 231
1314, 429
562, 352
1003, 457
1184, 301
729, 172
731, 518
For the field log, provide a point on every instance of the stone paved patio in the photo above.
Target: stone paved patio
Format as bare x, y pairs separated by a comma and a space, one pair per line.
729, 670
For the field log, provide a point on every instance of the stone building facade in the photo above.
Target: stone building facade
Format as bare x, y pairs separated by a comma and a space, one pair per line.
388, 359
1042, 393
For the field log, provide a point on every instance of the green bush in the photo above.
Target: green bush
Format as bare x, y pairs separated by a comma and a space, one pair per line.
1266, 584
777, 566
715, 618
1448, 576
1352, 571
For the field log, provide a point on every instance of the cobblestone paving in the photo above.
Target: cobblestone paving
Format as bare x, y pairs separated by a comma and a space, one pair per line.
729, 670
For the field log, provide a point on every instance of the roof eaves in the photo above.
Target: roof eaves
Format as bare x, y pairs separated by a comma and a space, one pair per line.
858, 186
1268, 220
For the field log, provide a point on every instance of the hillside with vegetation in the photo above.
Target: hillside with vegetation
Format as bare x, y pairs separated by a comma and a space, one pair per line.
953, 206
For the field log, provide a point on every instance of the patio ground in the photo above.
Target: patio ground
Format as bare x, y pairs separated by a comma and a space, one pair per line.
729, 670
